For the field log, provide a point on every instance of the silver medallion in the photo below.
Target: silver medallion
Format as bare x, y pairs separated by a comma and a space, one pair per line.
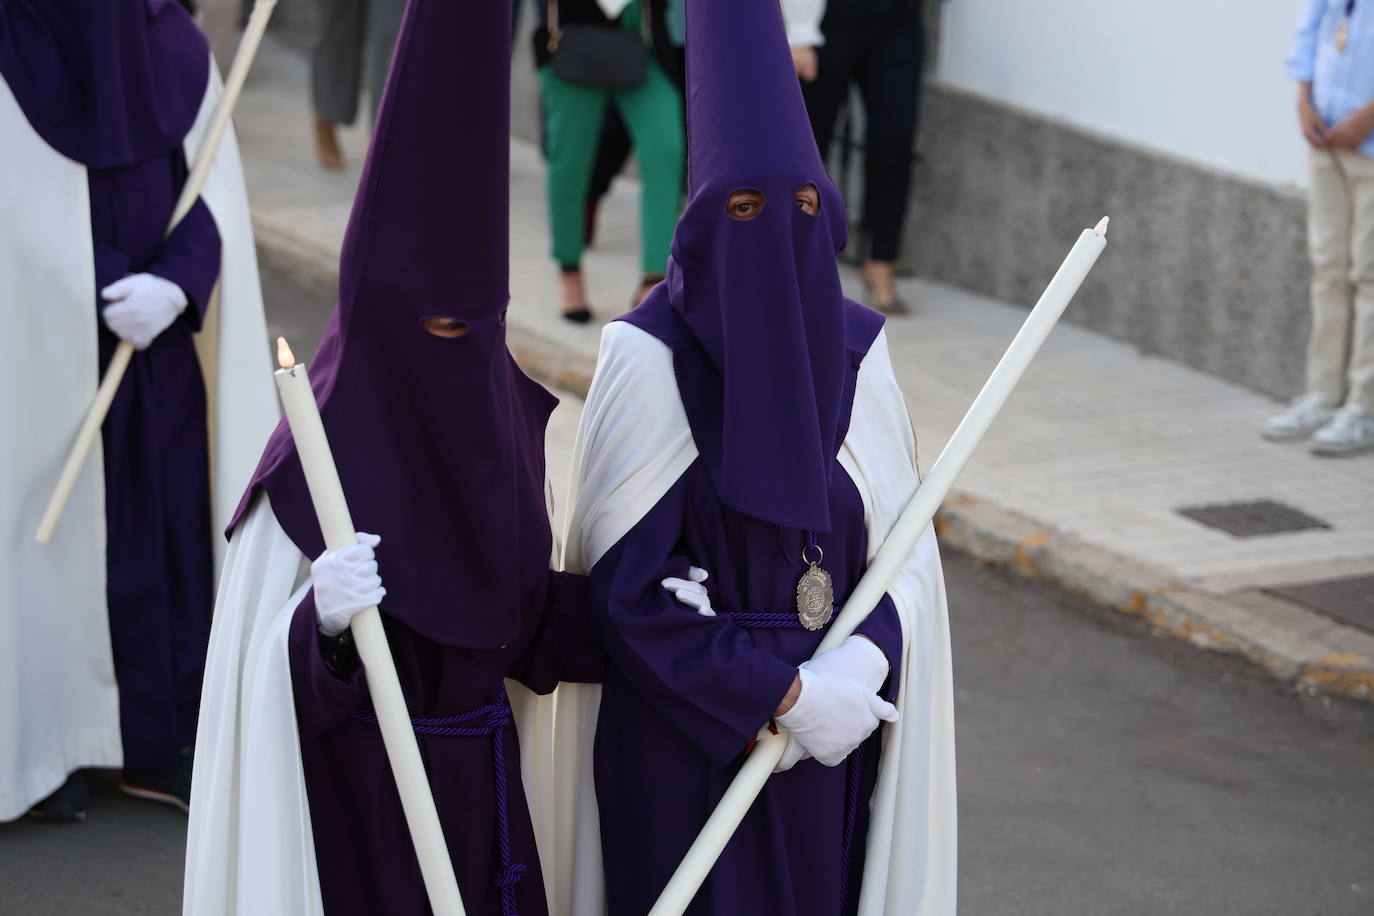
815, 598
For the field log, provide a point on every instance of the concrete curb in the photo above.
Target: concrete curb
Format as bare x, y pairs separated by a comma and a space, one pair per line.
1290, 648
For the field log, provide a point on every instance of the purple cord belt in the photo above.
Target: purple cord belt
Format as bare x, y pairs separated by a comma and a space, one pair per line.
492, 720
787, 620
767, 620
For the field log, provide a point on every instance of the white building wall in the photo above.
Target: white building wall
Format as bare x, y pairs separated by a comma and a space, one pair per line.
1199, 79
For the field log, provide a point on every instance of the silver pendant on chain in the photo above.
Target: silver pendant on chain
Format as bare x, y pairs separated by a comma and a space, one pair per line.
815, 593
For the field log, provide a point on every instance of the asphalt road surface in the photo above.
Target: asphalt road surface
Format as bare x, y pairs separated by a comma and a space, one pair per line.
1101, 770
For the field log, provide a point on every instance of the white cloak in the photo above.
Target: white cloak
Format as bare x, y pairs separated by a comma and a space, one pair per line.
59, 708
633, 444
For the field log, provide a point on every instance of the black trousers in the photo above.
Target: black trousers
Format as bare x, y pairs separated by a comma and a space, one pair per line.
881, 51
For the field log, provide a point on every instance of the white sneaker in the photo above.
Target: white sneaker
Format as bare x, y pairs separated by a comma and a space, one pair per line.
1304, 416
1350, 432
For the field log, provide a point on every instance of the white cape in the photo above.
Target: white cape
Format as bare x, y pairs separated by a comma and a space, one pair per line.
59, 706
633, 444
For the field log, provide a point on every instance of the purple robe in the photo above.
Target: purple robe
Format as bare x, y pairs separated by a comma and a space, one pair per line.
160, 568
686, 695
367, 865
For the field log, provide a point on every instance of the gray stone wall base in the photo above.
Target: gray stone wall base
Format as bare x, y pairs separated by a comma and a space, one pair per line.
1203, 268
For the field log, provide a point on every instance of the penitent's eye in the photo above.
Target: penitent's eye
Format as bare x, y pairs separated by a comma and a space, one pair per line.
808, 199
745, 205
443, 326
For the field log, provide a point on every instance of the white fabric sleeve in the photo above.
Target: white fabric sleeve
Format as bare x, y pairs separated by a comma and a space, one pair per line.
803, 21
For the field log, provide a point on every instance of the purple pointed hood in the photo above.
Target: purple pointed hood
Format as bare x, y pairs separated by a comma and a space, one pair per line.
439, 441
764, 340
104, 82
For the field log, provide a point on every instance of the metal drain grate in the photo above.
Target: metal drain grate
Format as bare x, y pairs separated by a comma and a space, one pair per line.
1252, 518
1349, 600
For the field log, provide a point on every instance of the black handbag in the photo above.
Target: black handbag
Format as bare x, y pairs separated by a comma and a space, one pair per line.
596, 55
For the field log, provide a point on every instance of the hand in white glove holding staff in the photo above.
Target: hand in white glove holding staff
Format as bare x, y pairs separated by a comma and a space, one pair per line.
833, 715
141, 307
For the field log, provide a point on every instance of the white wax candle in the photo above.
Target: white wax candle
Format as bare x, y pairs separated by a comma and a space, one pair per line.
887, 563
326, 492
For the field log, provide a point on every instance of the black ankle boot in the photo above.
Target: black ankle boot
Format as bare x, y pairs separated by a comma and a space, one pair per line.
68, 804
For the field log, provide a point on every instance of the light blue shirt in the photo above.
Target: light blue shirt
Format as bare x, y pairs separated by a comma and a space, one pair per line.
1341, 82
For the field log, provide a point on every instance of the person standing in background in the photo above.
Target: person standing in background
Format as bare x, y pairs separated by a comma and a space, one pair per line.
220, 21
575, 112
1333, 62
353, 34
880, 45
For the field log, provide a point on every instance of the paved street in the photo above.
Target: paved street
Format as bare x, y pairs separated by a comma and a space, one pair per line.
1101, 771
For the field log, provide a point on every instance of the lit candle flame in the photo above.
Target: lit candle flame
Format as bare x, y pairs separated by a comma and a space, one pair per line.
285, 358
1101, 228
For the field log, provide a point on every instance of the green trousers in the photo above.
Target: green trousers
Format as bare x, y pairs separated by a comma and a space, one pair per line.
652, 112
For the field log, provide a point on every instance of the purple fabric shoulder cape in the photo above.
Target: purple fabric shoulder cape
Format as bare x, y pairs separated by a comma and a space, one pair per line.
766, 381
439, 442
105, 82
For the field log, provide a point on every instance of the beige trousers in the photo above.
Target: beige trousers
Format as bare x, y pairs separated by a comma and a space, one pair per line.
1340, 237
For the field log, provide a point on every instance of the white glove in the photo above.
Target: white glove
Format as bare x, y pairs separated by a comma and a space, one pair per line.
690, 591
856, 657
142, 306
834, 714
346, 582
794, 755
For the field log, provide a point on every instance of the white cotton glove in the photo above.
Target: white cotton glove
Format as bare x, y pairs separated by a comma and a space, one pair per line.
833, 715
793, 755
690, 591
141, 307
856, 657
346, 582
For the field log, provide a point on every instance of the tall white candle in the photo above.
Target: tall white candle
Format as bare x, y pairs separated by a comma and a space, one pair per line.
881, 573
336, 524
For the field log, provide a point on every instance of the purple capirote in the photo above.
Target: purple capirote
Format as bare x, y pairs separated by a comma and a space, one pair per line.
434, 438
766, 353
761, 298
439, 444
105, 82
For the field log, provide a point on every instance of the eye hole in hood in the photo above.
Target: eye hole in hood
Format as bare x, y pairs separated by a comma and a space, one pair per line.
444, 326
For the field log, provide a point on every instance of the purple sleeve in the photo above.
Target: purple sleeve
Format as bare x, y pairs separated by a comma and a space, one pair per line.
704, 674
565, 647
323, 698
885, 629
190, 258
111, 264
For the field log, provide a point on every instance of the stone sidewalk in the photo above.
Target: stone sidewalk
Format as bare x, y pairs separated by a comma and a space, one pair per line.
1081, 480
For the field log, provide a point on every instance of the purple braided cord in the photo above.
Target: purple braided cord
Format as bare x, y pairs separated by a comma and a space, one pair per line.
494, 718
510, 873
767, 620
851, 821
